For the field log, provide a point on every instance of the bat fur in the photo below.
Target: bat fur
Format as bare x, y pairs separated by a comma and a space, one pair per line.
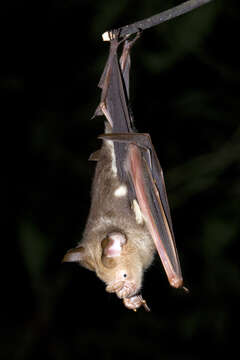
129, 216
113, 214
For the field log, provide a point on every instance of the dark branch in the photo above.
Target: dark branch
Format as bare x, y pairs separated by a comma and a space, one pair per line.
155, 20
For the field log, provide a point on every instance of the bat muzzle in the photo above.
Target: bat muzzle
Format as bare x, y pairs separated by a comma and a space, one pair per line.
123, 289
108, 262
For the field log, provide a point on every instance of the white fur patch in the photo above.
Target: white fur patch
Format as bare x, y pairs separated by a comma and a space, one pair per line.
114, 166
121, 191
137, 211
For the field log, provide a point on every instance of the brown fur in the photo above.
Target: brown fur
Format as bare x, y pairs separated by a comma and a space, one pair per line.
109, 214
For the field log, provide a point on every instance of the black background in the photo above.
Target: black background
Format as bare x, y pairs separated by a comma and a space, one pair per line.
185, 92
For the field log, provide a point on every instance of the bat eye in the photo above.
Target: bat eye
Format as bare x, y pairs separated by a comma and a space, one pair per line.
125, 275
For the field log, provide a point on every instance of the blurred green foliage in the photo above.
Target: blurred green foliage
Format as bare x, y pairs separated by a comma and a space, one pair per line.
185, 93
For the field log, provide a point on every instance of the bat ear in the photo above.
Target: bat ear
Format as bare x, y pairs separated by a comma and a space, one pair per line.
78, 254
112, 248
74, 255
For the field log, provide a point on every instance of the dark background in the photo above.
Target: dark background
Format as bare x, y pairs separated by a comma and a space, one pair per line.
185, 93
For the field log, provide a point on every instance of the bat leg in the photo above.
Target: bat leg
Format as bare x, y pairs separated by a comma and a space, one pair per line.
126, 50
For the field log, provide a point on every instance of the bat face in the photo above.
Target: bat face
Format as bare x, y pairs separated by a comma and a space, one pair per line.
124, 275
123, 280
118, 266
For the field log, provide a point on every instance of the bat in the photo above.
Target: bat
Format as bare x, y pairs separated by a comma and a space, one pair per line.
129, 218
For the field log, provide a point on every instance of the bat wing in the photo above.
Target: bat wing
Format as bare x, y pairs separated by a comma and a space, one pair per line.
136, 160
146, 177
114, 103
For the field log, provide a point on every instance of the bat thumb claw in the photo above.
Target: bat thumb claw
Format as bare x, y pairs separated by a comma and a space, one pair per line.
186, 290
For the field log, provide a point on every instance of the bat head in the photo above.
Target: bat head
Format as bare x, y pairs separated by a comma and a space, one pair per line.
121, 270
118, 266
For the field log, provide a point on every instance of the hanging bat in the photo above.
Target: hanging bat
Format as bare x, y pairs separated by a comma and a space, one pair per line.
129, 217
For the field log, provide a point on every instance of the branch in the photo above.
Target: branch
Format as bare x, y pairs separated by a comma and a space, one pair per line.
154, 20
